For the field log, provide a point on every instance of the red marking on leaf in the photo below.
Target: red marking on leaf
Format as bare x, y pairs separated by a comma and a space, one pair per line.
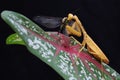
63, 43
84, 56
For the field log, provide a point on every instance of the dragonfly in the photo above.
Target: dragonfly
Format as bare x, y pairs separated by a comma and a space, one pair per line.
72, 26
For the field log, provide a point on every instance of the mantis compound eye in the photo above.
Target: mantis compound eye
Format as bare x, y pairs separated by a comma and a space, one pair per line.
70, 16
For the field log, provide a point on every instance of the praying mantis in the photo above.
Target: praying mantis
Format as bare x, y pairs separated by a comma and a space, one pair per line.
71, 25
78, 30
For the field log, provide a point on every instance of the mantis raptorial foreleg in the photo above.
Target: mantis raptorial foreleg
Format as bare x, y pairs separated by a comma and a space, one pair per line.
87, 40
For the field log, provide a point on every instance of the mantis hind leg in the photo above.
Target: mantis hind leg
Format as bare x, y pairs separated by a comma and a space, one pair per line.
81, 44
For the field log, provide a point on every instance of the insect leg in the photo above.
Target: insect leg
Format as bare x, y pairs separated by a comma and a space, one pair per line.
75, 32
72, 31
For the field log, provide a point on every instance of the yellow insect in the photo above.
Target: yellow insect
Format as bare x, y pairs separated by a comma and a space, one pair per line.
78, 30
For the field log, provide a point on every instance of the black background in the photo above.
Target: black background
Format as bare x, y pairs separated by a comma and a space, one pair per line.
99, 17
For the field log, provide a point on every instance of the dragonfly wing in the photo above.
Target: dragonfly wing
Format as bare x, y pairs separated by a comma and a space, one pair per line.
48, 22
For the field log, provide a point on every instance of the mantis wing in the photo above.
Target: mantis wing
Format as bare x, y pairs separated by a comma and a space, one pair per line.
95, 50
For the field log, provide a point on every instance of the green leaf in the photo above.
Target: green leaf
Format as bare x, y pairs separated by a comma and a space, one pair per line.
58, 51
14, 39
